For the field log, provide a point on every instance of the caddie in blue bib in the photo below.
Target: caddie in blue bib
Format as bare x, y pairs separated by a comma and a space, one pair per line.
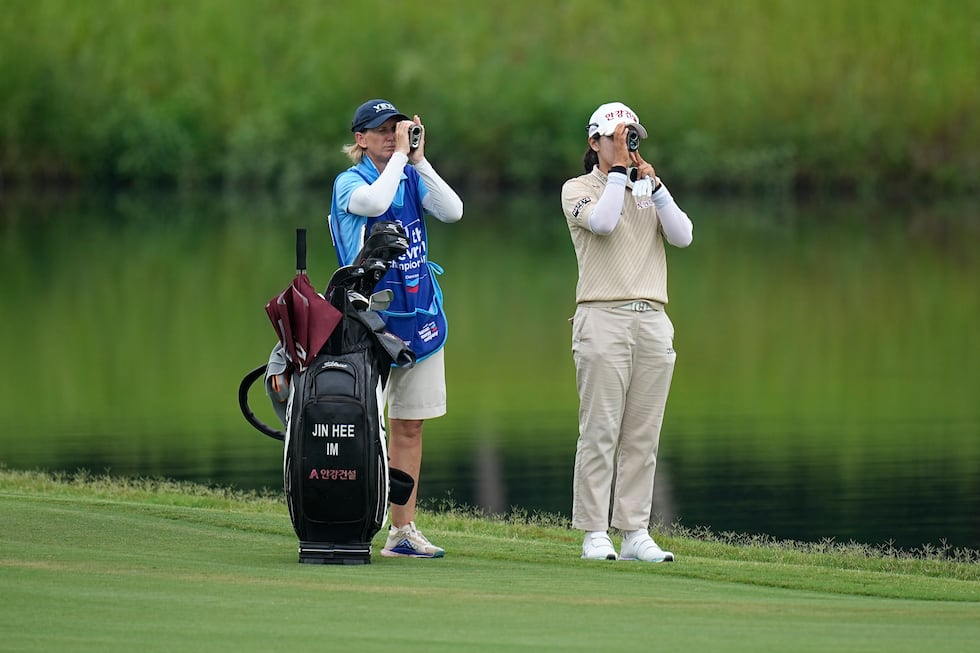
415, 314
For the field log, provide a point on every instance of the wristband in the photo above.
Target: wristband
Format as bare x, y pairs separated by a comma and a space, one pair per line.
619, 169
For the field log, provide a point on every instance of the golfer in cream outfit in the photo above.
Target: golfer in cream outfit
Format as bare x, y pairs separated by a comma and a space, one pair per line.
619, 214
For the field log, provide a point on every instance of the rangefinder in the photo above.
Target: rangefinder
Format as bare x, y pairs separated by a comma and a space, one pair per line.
632, 139
414, 136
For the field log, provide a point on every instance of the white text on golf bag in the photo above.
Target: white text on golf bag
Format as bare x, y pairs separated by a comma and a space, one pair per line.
333, 431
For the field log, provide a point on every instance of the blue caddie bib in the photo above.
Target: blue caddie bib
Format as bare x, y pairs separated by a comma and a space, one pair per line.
415, 314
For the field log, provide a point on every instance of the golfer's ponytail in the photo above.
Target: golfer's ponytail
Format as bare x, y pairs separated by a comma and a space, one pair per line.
591, 158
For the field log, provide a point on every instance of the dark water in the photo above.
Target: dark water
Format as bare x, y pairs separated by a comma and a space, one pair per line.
827, 380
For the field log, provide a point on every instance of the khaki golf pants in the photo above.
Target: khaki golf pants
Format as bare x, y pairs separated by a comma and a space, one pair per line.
624, 361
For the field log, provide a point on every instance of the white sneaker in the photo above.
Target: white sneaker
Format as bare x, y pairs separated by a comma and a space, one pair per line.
638, 545
598, 546
408, 542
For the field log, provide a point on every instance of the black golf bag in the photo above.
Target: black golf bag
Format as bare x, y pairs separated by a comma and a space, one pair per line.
336, 476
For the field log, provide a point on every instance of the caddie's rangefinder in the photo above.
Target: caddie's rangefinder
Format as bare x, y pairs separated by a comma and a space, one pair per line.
414, 136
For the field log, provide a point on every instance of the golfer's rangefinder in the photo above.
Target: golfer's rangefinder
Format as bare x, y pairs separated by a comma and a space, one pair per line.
632, 139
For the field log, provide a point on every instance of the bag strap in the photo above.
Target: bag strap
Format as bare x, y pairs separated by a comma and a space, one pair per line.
250, 417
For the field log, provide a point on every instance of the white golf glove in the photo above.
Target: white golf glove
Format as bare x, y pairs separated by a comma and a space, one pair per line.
643, 187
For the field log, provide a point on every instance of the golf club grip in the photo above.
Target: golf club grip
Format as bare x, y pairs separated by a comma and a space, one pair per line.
300, 250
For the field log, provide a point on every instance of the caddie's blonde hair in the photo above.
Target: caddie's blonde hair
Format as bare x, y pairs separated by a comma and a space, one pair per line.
354, 152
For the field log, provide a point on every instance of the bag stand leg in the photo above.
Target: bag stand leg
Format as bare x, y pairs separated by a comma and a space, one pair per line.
327, 553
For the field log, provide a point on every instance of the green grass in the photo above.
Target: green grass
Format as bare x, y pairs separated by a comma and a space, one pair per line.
93, 564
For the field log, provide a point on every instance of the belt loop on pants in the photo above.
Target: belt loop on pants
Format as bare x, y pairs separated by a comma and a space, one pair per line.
641, 307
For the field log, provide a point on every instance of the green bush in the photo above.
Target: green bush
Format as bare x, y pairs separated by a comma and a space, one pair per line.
756, 95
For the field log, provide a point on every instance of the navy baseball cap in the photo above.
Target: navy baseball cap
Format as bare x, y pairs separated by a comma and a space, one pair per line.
373, 113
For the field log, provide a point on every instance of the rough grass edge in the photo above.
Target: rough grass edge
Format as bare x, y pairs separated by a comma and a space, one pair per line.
940, 560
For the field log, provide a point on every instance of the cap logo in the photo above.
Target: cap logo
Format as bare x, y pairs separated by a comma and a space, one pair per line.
621, 113
384, 106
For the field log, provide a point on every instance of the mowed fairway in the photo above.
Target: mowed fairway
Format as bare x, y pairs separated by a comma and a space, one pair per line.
100, 567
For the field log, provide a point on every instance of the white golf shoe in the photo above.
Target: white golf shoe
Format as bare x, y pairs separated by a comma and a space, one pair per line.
598, 546
638, 545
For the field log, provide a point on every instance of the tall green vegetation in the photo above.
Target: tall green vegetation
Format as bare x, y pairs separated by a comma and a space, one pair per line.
752, 95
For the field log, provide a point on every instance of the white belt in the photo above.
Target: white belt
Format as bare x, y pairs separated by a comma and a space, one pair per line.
640, 307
